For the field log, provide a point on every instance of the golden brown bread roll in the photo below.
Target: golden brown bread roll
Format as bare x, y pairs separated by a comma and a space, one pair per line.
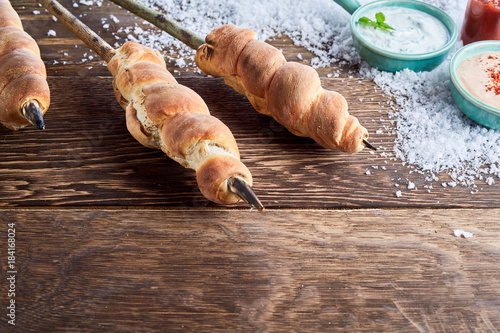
163, 114
289, 92
23, 83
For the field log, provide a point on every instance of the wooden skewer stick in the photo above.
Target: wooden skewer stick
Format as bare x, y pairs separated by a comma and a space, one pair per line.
89, 37
33, 113
169, 26
106, 52
164, 23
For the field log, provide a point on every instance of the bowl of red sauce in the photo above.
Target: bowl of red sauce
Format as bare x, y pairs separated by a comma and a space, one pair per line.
475, 82
481, 21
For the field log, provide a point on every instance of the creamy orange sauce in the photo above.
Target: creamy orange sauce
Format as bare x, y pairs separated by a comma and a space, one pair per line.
480, 76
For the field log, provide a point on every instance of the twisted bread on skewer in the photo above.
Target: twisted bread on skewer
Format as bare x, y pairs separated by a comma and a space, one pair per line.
160, 113
289, 92
163, 114
24, 92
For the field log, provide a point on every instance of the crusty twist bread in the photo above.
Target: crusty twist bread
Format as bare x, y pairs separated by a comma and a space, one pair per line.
22, 71
161, 113
289, 92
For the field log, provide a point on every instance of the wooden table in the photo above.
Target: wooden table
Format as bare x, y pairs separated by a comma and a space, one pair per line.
114, 237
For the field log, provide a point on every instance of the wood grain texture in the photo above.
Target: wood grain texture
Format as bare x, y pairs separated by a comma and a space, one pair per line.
87, 157
67, 55
114, 237
279, 271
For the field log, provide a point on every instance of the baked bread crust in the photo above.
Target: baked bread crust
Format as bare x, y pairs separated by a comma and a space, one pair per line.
23, 77
289, 92
163, 114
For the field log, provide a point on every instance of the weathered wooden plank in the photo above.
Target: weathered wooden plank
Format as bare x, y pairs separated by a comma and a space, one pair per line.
64, 54
87, 157
277, 271
229, 270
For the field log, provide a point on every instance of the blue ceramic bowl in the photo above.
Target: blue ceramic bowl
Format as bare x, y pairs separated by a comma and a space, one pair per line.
393, 61
475, 109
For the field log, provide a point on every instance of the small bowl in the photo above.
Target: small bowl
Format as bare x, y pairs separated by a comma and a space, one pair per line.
476, 110
393, 61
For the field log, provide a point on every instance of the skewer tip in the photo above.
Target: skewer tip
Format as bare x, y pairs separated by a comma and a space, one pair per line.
33, 113
369, 145
241, 188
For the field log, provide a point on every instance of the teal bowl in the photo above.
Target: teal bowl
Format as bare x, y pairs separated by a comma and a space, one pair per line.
393, 61
472, 107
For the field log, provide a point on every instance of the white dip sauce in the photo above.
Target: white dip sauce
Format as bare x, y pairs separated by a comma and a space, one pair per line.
480, 76
415, 31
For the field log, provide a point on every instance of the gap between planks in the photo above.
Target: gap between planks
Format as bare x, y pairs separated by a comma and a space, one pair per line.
240, 209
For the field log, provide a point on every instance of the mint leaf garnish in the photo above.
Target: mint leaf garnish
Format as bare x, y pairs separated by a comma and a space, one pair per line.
379, 23
380, 17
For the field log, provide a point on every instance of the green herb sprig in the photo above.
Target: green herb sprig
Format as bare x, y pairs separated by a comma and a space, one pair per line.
379, 23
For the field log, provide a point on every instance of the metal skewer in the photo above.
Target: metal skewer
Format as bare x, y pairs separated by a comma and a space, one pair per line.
33, 113
106, 52
241, 188
369, 145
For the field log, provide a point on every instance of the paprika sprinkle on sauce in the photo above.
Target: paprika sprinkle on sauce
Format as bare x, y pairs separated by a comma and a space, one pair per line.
480, 76
494, 73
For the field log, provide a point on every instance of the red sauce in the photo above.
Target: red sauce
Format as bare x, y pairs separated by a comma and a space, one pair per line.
482, 21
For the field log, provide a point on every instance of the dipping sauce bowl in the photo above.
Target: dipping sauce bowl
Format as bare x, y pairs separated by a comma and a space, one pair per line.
476, 110
392, 61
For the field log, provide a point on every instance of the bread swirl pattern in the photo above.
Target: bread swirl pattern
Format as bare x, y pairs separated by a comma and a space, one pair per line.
289, 92
163, 114
22, 73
